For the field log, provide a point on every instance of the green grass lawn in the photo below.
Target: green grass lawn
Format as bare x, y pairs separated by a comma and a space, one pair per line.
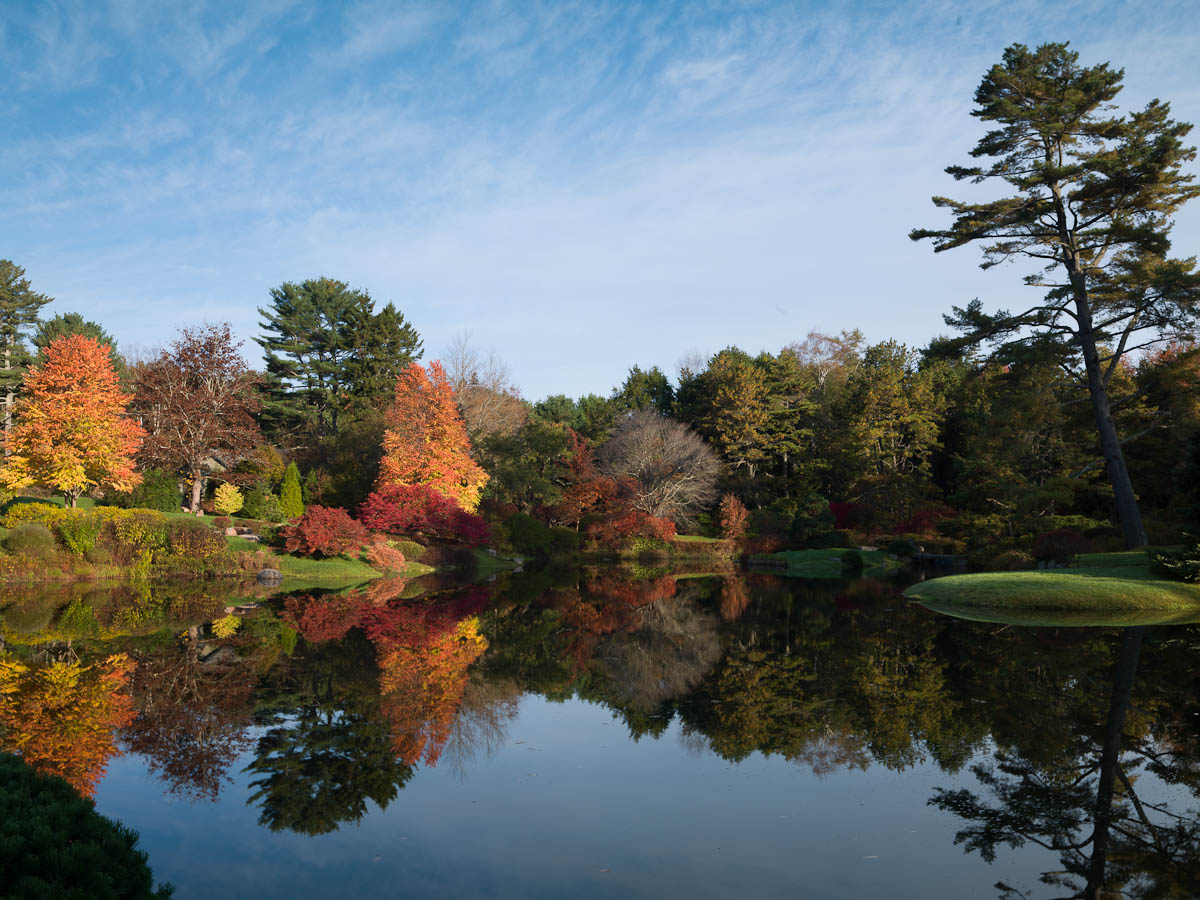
1102, 583
828, 563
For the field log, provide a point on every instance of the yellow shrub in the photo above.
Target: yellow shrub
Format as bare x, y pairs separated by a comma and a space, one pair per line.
20, 513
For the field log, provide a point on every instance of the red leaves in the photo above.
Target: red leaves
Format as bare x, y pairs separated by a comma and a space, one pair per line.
420, 509
323, 531
734, 517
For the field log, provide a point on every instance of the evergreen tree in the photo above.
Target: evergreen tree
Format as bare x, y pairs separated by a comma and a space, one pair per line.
290, 502
327, 348
66, 324
1093, 196
644, 389
19, 307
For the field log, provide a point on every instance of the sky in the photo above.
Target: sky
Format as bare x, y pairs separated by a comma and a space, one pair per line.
581, 186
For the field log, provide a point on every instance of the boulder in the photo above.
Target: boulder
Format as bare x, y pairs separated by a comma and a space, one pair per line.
270, 576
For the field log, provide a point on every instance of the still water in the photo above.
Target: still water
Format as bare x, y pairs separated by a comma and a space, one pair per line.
620, 734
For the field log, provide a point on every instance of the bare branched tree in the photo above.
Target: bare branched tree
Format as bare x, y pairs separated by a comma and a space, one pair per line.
674, 473
487, 399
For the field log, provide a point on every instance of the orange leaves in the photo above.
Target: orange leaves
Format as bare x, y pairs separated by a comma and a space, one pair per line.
426, 441
73, 433
60, 717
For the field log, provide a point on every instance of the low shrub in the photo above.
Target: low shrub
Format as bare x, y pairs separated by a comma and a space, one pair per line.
20, 512
829, 540
410, 549
852, 563
30, 539
902, 547
1061, 545
419, 509
79, 532
260, 503
384, 556
193, 540
222, 522
323, 531
563, 541
1011, 561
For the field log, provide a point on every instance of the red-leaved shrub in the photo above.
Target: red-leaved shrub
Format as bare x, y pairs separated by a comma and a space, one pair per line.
419, 509
383, 556
323, 531
618, 529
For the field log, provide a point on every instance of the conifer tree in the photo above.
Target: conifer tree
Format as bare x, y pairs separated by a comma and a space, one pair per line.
291, 502
1092, 196
19, 307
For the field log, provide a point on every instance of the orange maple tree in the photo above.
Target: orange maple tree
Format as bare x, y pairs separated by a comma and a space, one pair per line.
60, 717
73, 433
426, 441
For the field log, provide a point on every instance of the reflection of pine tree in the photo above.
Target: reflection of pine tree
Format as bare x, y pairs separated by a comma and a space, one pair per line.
317, 768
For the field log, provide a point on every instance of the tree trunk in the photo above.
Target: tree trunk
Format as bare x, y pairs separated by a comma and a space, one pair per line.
1131, 646
1110, 444
197, 490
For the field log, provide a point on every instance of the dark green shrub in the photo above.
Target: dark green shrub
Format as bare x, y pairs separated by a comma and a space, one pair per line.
830, 540
259, 503
563, 541
527, 535
158, 490
1010, 561
901, 547
79, 532
53, 843
852, 563
1061, 545
31, 539
411, 549
1181, 565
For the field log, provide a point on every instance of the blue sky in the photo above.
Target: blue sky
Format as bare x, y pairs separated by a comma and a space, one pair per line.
583, 186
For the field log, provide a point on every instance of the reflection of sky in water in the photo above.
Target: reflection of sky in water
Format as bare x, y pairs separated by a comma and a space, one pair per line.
571, 806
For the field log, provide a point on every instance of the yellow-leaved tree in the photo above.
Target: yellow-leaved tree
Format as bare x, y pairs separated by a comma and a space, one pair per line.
72, 432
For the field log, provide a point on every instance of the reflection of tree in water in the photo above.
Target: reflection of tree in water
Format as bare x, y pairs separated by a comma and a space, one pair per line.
666, 654
1087, 806
192, 715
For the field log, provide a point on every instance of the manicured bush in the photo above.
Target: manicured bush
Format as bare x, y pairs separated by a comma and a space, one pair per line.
564, 541
21, 512
31, 539
852, 563
1010, 561
830, 540
79, 532
53, 843
384, 556
419, 509
1061, 545
323, 531
158, 490
410, 549
193, 540
291, 502
259, 503
902, 547
227, 499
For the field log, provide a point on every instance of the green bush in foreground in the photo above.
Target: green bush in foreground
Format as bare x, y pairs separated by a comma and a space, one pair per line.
31, 539
53, 843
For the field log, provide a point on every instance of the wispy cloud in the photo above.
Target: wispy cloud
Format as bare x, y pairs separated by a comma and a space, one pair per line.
591, 185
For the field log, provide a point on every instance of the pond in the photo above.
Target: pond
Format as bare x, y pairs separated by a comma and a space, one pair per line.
611, 733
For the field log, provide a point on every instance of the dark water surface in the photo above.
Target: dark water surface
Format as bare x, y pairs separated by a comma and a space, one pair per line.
619, 734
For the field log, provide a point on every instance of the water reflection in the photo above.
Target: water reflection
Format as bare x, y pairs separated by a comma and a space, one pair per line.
330, 704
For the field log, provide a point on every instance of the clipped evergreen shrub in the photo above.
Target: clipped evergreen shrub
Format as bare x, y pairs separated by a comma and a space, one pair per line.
53, 843
527, 535
291, 502
31, 539
852, 563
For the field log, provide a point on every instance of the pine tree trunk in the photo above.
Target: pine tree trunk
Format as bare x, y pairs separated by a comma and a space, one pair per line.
1110, 444
1131, 646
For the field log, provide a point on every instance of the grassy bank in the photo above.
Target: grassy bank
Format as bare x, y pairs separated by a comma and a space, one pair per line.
1110, 582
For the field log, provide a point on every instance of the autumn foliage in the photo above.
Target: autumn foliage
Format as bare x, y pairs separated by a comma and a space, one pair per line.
60, 717
73, 433
426, 442
323, 531
734, 517
419, 509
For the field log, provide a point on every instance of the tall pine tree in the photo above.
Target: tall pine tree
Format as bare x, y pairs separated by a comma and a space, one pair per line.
19, 307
